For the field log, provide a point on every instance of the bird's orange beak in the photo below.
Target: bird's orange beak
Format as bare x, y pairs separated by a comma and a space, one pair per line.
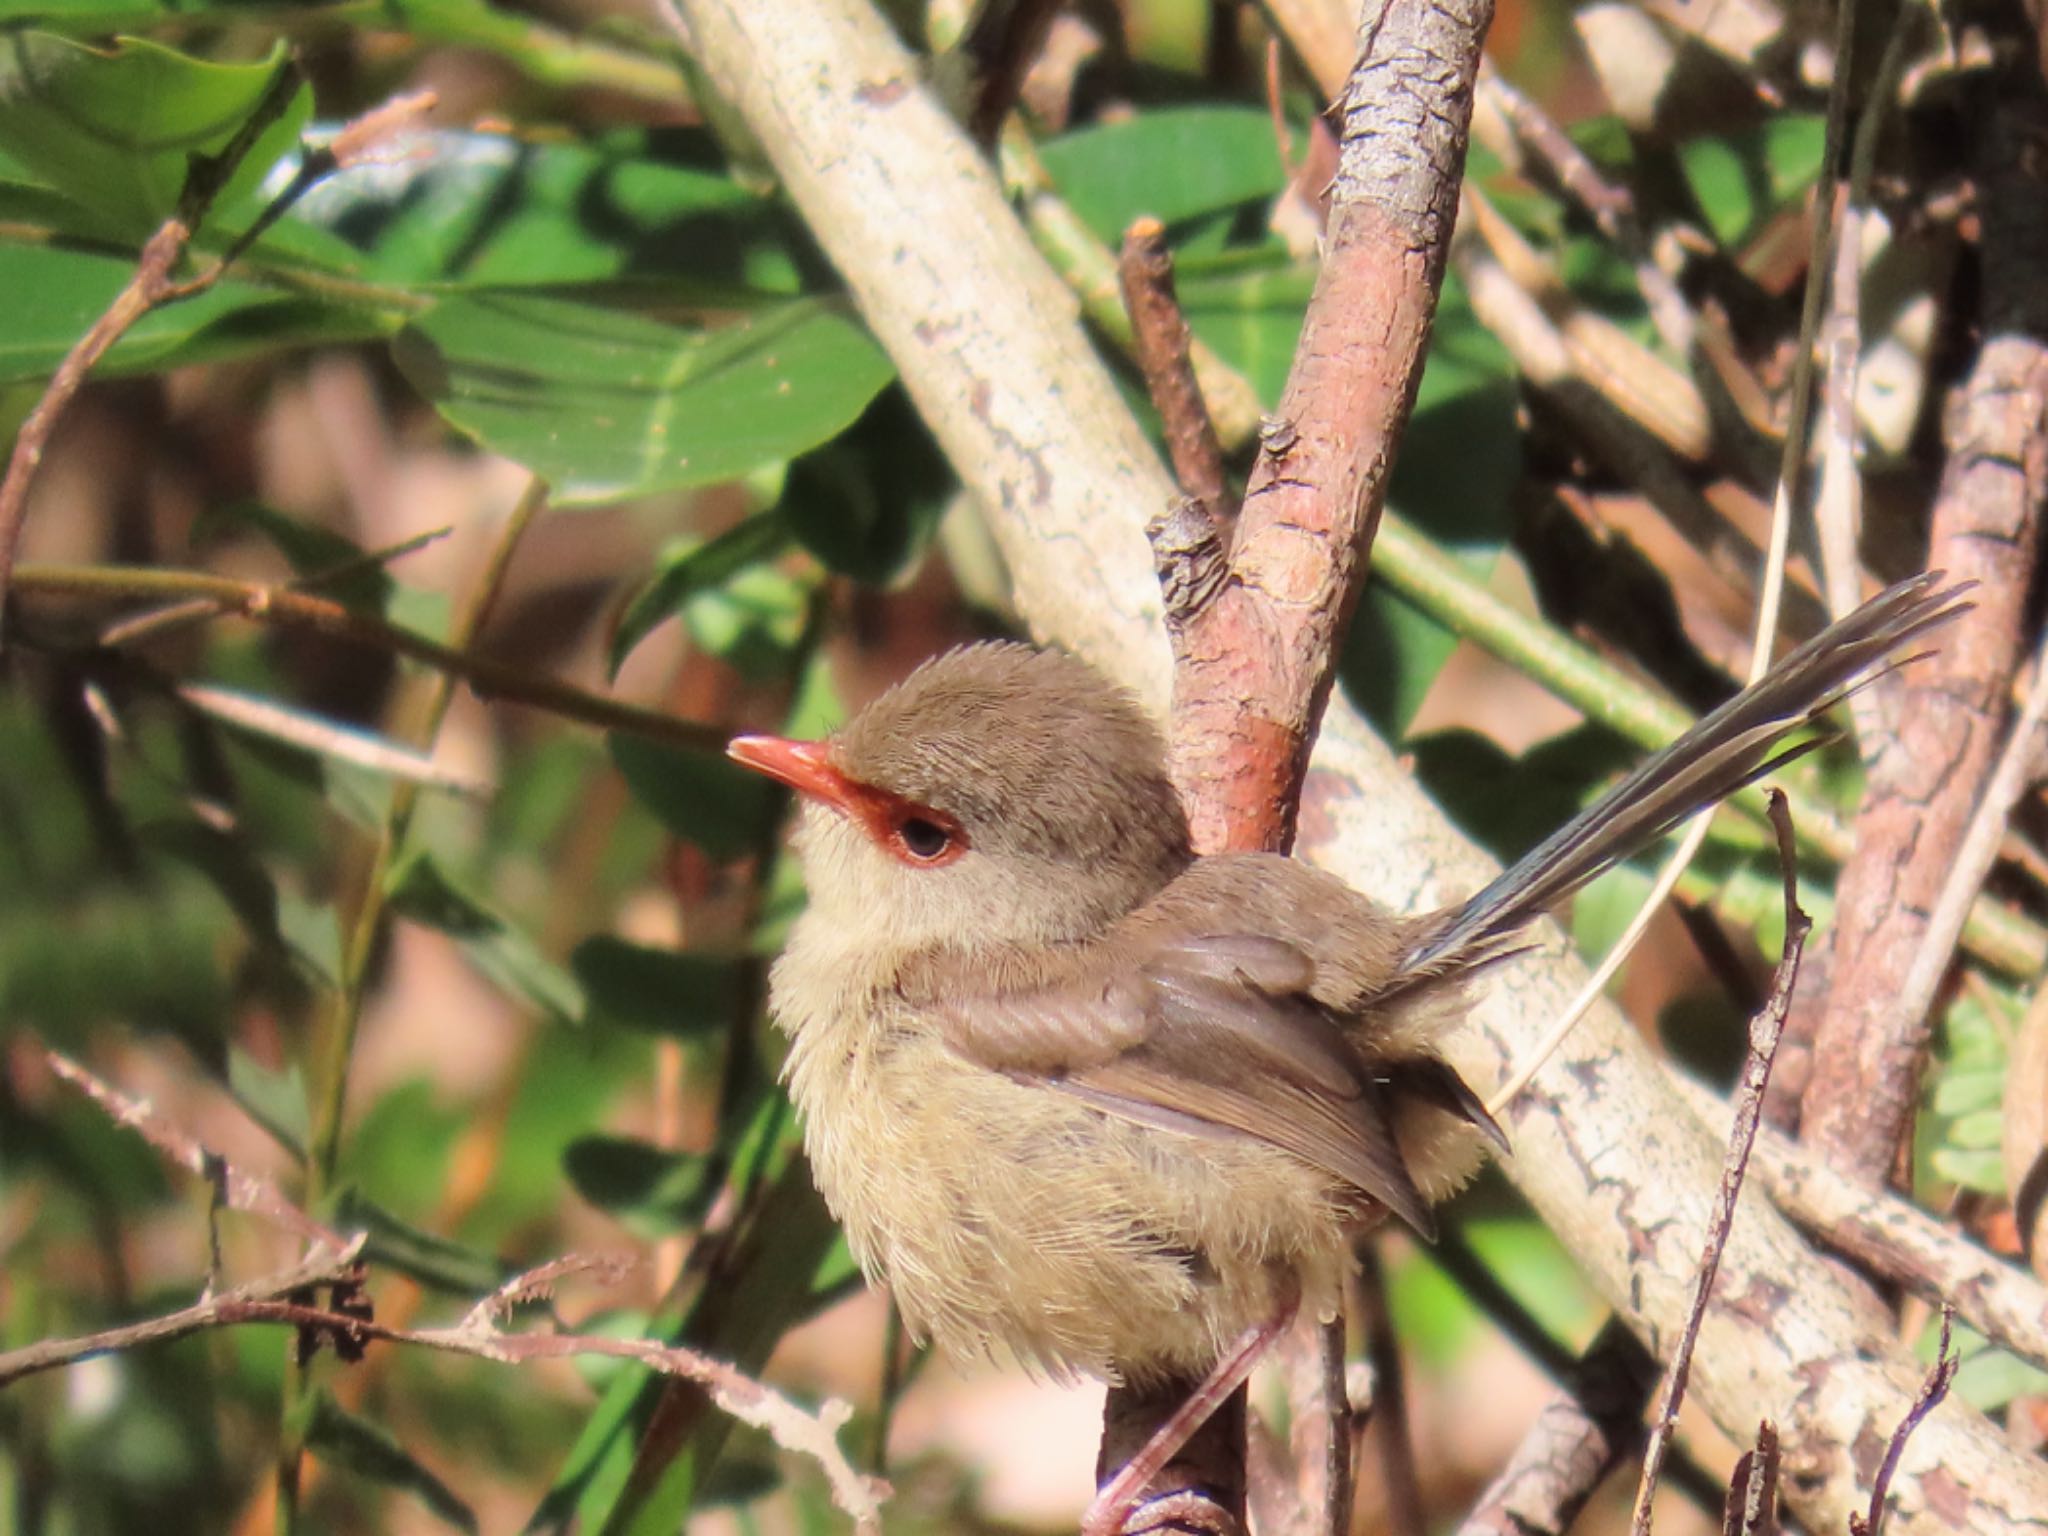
805, 766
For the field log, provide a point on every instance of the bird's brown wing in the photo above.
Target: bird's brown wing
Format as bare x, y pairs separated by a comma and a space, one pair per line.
1209, 1035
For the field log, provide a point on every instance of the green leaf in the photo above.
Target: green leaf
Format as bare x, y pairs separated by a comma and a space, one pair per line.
1738, 180
1980, 1129
709, 801
422, 891
1981, 1171
655, 1190
659, 990
1990, 1379
429, 1258
687, 569
475, 210
74, 287
1602, 911
115, 130
867, 502
606, 404
1173, 164
1252, 319
1961, 1093
370, 1450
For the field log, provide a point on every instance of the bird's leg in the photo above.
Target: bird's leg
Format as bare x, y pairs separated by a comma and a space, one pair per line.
1114, 1500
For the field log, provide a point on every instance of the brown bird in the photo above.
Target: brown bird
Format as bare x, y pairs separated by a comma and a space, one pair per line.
1078, 1094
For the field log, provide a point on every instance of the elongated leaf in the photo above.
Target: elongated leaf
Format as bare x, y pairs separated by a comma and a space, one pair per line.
423, 891
1172, 164
487, 210
687, 569
372, 1451
605, 404
658, 990
73, 288
704, 800
655, 1190
429, 1258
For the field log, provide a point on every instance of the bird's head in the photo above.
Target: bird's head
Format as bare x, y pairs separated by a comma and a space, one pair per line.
998, 795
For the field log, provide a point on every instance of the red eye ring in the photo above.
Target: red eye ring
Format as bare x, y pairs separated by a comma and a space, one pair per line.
924, 838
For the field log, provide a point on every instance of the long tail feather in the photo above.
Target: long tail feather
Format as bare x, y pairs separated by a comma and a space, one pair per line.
1737, 743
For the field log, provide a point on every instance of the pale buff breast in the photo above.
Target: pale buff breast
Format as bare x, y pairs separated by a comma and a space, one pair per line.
1010, 1217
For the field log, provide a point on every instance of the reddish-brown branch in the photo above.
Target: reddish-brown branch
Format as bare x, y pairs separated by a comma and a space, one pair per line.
1255, 663
1161, 340
1926, 779
1255, 612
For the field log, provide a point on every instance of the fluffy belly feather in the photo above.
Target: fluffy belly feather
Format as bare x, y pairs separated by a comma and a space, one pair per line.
1076, 1241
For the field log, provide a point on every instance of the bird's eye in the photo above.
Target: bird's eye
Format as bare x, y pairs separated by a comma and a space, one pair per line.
923, 838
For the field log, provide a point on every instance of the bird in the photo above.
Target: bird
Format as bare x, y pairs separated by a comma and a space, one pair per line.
1082, 1097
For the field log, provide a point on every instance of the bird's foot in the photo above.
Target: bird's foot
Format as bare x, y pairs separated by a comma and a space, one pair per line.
1186, 1513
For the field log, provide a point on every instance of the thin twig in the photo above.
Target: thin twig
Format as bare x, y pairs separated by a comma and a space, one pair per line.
223, 1309
174, 616
1764, 1031
813, 1435
1838, 504
1161, 341
1894, 1239
286, 607
1932, 1390
241, 1190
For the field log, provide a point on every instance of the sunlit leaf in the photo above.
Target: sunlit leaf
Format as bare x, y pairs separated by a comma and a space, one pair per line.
1173, 164
74, 287
114, 129
1740, 179
605, 404
463, 209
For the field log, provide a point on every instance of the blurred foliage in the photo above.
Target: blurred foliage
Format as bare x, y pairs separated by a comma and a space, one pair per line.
587, 278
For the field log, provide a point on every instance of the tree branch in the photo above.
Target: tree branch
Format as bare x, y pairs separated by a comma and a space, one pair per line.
988, 345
